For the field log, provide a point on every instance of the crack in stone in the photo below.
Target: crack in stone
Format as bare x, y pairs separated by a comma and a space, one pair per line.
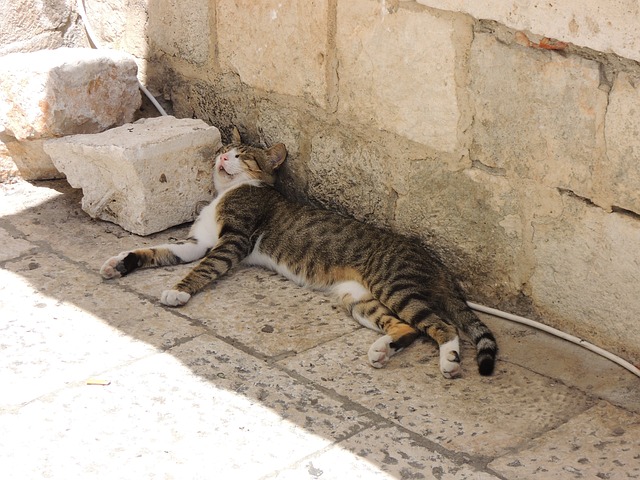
626, 212
497, 171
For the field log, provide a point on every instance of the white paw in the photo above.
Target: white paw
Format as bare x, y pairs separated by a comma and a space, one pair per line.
109, 270
174, 298
380, 351
450, 358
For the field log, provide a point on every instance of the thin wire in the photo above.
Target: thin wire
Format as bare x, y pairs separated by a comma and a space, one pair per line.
558, 333
92, 37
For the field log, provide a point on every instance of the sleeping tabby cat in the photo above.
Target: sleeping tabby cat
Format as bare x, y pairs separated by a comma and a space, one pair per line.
387, 282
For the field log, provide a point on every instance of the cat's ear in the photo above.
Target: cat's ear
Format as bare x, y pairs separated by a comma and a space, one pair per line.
276, 155
235, 135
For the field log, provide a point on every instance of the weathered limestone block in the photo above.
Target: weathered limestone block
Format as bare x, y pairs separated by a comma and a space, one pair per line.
538, 115
288, 49
621, 173
357, 180
32, 161
146, 176
30, 25
605, 25
51, 93
401, 71
586, 274
472, 218
180, 28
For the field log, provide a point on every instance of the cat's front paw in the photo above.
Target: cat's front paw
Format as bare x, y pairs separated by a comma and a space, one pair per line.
450, 359
380, 351
174, 298
114, 267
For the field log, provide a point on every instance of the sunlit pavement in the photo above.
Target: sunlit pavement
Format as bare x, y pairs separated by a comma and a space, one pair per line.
257, 378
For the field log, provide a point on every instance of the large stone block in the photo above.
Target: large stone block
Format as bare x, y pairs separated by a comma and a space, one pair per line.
180, 28
286, 50
51, 93
32, 161
401, 71
471, 218
621, 173
357, 180
30, 25
538, 115
66, 91
146, 176
605, 25
586, 274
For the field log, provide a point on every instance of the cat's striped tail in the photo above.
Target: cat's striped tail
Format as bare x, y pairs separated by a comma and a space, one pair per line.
486, 346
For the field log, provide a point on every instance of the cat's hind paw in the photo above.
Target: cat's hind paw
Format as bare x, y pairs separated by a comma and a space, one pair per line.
174, 298
450, 358
114, 267
380, 351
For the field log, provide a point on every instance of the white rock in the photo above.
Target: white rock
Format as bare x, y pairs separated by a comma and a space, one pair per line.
146, 176
66, 91
32, 161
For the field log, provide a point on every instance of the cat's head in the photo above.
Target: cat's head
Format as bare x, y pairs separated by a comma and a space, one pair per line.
238, 163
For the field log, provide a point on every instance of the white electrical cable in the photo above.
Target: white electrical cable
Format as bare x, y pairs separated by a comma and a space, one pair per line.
558, 333
92, 37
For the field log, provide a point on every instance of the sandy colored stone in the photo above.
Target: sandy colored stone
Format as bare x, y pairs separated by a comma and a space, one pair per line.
364, 192
475, 415
382, 453
621, 170
66, 91
145, 176
518, 128
288, 52
605, 25
157, 418
602, 442
13, 247
398, 71
178, 28
31, 25
31, 160
586, 274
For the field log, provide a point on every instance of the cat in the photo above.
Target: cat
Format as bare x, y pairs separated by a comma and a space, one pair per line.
387, 282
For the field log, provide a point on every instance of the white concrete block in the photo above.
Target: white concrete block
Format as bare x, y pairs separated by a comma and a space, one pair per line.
145, 176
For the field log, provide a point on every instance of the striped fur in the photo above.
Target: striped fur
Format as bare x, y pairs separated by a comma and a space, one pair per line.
386, 281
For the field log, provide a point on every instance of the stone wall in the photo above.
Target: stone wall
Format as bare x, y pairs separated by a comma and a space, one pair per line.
30, 25
516, 156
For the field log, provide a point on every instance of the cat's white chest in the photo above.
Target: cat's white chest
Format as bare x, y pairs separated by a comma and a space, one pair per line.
205, 229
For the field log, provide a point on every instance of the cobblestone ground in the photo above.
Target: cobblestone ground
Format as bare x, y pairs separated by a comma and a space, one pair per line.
256, 378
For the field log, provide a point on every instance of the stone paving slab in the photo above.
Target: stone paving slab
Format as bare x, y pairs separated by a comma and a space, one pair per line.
603, 442
477, 415
155, 420
565, 362
380, 453
257, 308
13, 247
47, 343
127, 313
234, 385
